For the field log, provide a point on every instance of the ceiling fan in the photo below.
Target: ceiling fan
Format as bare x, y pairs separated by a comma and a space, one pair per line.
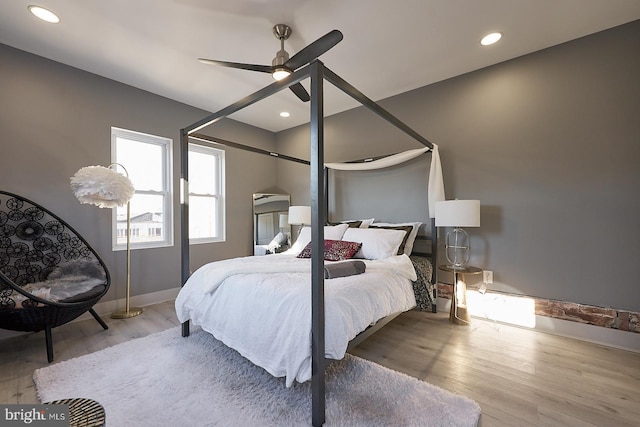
282, 65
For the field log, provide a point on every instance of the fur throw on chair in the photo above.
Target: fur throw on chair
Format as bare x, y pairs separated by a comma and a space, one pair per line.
67, 280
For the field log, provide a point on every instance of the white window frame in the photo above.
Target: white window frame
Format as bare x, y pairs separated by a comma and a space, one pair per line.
219, 156
166, 192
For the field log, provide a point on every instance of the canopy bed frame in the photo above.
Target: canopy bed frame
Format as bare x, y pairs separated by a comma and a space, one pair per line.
317, 73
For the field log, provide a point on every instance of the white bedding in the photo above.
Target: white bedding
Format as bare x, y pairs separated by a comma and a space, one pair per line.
266, 315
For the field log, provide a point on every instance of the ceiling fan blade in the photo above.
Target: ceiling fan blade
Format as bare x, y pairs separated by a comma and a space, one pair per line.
250, 67
300, 92
314, 50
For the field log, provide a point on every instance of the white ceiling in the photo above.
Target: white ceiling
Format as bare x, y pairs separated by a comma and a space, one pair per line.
389, 47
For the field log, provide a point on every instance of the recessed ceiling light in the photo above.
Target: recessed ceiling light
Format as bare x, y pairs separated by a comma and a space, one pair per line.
44, 14
285, 114
490, 39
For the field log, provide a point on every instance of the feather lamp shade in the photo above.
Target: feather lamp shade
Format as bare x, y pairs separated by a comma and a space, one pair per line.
102, 187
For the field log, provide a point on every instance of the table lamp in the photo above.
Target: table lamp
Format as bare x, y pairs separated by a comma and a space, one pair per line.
458, 214
299, 215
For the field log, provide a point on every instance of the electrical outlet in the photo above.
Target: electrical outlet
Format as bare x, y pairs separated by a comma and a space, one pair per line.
487, 276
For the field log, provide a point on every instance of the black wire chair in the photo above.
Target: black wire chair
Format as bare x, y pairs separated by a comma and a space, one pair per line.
36, 245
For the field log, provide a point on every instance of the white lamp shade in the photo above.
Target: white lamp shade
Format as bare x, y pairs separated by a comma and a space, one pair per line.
299, 215
458, 213
101, 186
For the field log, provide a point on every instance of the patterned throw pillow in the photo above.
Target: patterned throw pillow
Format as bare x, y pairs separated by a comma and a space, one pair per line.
334, 250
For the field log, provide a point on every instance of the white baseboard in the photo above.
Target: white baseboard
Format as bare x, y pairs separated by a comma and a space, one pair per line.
107, 307
609, 337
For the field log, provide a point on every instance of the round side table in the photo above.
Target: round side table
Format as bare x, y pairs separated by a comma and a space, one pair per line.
459, 314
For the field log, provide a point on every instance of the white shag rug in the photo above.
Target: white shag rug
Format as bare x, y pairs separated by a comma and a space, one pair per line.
167, 380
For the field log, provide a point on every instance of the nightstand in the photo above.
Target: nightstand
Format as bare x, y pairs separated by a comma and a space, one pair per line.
459, 314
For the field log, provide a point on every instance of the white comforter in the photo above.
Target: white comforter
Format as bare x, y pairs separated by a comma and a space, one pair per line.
261, 307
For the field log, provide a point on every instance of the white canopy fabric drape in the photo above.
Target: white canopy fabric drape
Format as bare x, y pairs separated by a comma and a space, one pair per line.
436, 183
385, 162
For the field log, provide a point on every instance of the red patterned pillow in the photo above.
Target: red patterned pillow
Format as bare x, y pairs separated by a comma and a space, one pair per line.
334, 250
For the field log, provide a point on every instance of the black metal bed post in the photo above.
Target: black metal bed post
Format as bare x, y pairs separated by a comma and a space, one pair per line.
317, 246
184, 213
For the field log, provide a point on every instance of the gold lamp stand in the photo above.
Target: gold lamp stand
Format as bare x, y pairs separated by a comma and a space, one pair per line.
129, 311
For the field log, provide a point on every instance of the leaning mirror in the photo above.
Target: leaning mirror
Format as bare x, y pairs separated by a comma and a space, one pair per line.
271, 229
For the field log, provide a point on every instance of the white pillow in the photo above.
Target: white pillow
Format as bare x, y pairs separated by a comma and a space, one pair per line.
408, 246
331, 232
376, 243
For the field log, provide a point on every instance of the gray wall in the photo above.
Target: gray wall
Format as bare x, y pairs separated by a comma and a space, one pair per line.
549, 143
56, 119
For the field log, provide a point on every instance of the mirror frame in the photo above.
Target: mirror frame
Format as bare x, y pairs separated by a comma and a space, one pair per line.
281, 203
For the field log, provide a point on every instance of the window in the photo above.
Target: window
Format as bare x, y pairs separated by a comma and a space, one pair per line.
206, 194
147, 160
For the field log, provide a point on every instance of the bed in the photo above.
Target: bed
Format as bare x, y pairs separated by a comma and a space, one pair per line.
317, 73
261, 306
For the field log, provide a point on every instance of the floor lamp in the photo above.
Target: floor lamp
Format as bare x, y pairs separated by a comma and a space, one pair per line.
104, 187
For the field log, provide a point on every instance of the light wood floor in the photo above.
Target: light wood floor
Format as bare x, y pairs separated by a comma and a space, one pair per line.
519, 377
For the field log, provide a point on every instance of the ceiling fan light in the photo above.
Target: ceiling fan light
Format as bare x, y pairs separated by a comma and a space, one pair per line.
490, 39
44, 14
280, 73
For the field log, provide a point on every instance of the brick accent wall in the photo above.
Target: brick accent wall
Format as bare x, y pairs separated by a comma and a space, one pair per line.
565, 310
